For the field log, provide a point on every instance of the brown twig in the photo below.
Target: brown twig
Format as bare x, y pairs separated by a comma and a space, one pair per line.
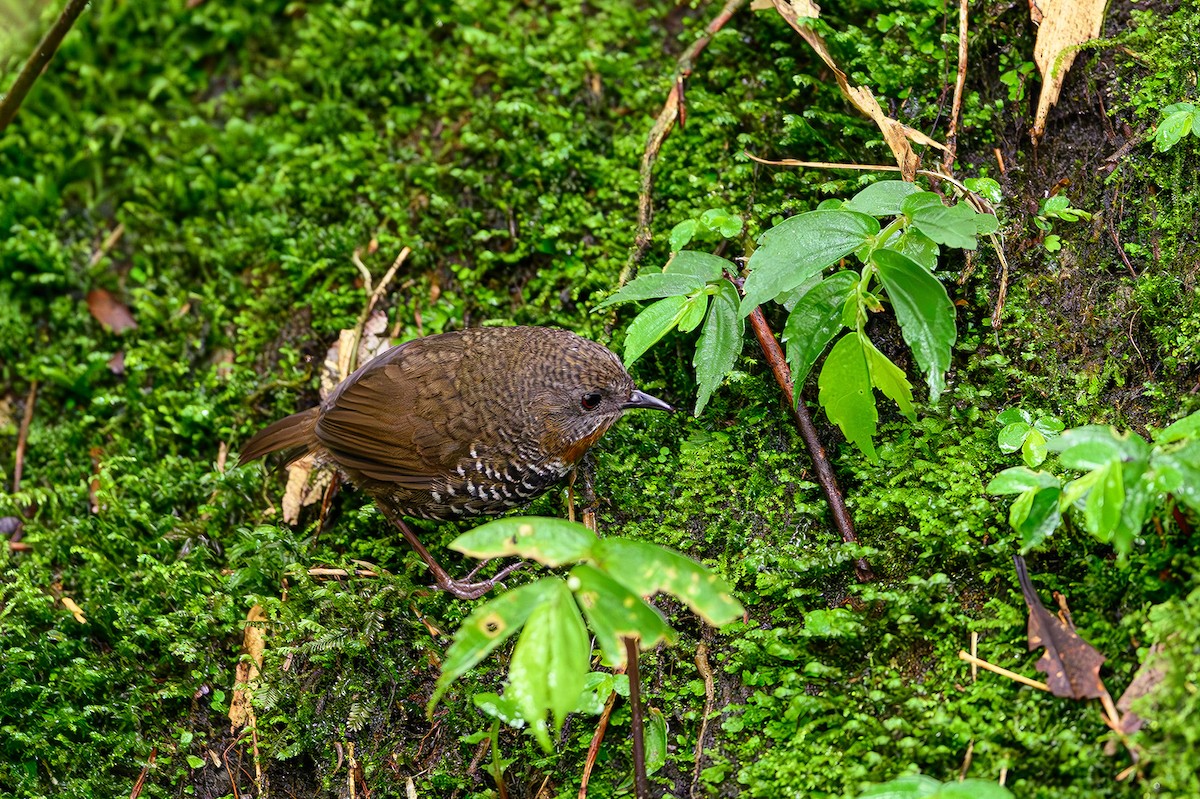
38, 60
1003, 672
641, 783
956, 109
808, 431
659, 132
594, 747
23, 436
709, 695
141, 780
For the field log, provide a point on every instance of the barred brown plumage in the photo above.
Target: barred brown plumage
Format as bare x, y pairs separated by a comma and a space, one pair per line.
470, 423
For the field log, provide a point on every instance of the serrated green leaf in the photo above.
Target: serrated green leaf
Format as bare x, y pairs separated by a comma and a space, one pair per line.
550, 661
1019, 479
924, 311
1181, 473
814, 321
498, 707
954, 226
651, 325
889, 379
800, 247
986, 224
720, 343
1172, 129
682, 233
646, 568
1012, 436
882, 198
486, 628
1187, 427
553, 542
845, 393
597, 688
616, 613
656, 284
986, 188
1105, 502
731, 227
701, 265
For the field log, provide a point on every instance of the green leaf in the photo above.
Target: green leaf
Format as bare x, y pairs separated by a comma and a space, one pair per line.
1105, 502
651, 325
486, 628
655, 740
1041, 517
1012, 437
1180, 473
1187, 427
1049, 426
720, 343
924, 311
889, 378
553, 542
700, 265
550, 661
1172, 129
1019, 479
656, 284
195, 762
1175, 108
503, 708
693, 313
800, 247
648, 568
916, 786
1033, 451
1092, 446
974, 789
1138, 498
917, 246
814, 322
883, 198
731, 227
682, 233
954, 226
615, 613
845, 393
986, 188
1012, 415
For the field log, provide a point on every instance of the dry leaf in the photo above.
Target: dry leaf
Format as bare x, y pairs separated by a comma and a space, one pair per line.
1065, 24
76, 611
241, 714
1071, 664
305, 486
109, 312
1149, 675
896, 134
116, 364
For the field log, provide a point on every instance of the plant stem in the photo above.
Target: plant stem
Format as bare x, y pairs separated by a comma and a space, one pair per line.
808, 431
641, 783
38, 60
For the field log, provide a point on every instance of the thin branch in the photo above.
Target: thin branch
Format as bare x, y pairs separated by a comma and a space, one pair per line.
808, 431
641, 783
956, 109
38, 60
1003, 672
672, 109
594, 748
709, 695
23, 436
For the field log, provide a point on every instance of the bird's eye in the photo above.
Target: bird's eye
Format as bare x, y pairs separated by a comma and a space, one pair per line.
590, 400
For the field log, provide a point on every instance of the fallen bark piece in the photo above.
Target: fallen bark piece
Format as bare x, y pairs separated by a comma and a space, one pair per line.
1065, 24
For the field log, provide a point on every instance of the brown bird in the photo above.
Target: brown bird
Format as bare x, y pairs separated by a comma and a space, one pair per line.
472, 423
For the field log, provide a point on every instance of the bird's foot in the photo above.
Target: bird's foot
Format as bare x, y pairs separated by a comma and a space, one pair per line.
465, 589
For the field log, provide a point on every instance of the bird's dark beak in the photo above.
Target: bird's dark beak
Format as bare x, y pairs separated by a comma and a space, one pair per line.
640, 399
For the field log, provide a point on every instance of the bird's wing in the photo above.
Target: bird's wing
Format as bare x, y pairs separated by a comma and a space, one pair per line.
398, 419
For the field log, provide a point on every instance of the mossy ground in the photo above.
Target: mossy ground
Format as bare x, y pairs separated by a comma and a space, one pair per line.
247, 150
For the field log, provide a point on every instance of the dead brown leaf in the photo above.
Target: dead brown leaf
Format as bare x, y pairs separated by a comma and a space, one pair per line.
896, 134
241, 714
1065, 24
116, 364
1149, 675
109, 312
1071, 664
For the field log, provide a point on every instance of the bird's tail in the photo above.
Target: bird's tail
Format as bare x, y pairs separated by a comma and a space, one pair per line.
294, 435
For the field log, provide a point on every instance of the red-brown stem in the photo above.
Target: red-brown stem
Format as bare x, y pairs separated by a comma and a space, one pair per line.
23, 436
594, 748
808, 431
641, 783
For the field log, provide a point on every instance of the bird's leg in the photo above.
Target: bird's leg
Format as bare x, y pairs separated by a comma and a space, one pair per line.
463, 589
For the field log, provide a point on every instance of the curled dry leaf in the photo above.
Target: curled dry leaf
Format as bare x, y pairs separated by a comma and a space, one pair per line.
241, 713
895, 133
1065, 24
109, 312
1071, 664
1149, 675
